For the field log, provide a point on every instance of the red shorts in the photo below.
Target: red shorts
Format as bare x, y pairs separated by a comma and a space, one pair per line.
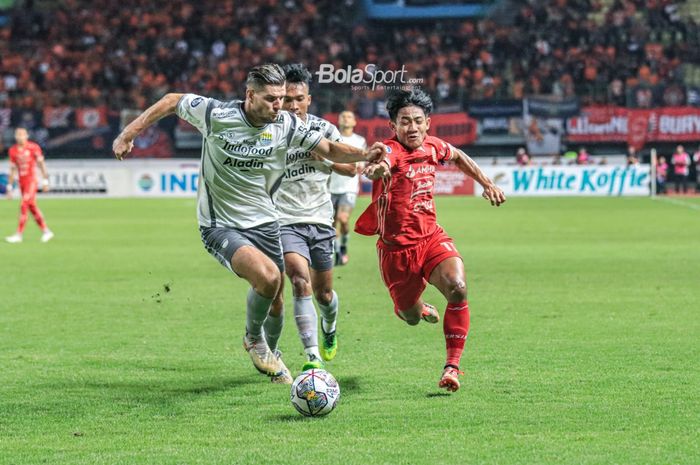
28, 188
406, 270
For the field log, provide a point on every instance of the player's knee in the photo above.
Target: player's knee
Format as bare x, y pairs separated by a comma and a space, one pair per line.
300, 284
324, 296
456, 290
268, 282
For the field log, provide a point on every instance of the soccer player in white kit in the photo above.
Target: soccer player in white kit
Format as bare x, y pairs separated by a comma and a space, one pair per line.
243, 161
306, 219
344, 189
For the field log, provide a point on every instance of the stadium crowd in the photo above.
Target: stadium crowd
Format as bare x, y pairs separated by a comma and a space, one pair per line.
128, 53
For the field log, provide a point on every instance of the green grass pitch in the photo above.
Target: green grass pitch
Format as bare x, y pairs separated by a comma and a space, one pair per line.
583, 349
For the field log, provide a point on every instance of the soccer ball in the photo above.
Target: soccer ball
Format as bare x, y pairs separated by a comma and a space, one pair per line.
315, 393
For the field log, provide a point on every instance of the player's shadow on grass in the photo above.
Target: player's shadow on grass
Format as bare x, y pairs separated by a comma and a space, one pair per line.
296, 418
349, 385
159, 392
430, 395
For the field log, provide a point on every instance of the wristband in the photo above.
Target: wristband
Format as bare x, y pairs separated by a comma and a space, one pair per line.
328, 163
45, 182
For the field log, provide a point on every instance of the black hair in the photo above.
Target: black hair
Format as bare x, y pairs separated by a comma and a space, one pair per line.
296, 73
407, 98
269, 74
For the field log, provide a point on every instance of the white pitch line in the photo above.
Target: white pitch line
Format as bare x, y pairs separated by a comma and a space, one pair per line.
678, 202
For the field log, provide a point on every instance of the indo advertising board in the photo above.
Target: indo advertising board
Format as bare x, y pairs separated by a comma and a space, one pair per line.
166, 182
570, 180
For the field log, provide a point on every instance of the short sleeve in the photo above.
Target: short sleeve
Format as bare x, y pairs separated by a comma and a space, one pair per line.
446, 152
332, 133
193, 109
392, 157
299, 135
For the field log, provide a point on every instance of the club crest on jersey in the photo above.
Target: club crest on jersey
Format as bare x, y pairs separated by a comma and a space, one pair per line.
388, 149
265, 138
411, 173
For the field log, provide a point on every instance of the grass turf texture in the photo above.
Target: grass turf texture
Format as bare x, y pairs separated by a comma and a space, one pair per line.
584, 344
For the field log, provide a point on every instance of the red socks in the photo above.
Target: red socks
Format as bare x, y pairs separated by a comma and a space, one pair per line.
456, 326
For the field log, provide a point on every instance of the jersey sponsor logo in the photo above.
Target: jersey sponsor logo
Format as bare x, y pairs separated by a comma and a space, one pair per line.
411, 173
246, 150
247, 147
235, 163
196, 102
225, 114
425, 169
297, 172
296, 156
425, 205
421, 187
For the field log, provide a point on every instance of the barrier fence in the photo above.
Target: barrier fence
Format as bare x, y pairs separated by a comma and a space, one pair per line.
178, 178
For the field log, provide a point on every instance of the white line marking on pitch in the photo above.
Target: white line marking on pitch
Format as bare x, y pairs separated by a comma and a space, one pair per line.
680, 203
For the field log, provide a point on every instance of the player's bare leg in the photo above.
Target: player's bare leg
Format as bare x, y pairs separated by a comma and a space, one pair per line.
46, 234
322, 285
343, 232
297, 269
265, 280
449, 278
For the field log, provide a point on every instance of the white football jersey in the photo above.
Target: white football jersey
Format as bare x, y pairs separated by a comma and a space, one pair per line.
303, 196
242, 165
346, 184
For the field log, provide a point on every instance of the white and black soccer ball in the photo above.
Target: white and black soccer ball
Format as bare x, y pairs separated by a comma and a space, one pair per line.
315, 393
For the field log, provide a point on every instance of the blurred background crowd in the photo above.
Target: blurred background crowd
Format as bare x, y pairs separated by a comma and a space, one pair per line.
128, 53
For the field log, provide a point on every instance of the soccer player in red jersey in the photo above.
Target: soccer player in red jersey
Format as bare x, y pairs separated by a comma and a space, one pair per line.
413, 249
25, 155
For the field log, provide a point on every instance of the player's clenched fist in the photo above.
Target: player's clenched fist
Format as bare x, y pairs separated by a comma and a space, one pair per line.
121, 147
376, 152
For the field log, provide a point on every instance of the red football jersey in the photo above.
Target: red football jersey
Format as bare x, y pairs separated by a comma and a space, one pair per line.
25, 159
402, 211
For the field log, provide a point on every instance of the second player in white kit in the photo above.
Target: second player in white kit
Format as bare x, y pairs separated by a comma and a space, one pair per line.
306, 219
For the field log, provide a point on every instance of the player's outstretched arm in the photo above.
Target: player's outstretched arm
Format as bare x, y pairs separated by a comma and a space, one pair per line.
44, 174
124, 142
10, 180
339, 152
492, 193
343, 169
